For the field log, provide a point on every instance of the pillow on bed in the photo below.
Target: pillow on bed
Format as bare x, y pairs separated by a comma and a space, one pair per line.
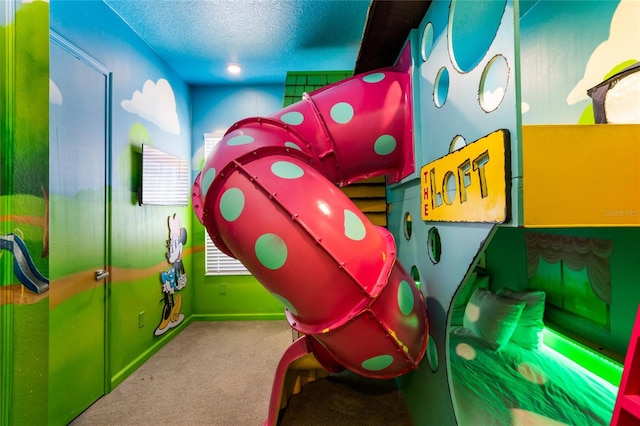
492, 317
528, 332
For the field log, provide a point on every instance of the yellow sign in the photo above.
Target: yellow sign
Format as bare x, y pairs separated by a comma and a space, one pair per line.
470, 184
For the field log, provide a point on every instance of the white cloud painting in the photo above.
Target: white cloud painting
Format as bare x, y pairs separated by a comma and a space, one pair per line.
622, 45
157, 104
55, 95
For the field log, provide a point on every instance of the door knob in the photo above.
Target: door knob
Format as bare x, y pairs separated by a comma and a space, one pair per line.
101, 274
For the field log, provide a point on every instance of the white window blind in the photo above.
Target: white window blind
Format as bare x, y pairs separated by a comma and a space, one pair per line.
218, 263
165, 178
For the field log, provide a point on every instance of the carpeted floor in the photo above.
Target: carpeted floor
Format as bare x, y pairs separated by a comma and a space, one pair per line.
347, 399
220, 373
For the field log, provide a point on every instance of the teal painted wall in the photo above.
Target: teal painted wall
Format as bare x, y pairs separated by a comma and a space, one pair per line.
560, 60
454, 48
551, 61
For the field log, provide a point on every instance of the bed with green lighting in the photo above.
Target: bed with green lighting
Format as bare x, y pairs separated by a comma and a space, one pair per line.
503, 373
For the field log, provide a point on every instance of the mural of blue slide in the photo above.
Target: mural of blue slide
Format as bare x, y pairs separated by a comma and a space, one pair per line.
23, 265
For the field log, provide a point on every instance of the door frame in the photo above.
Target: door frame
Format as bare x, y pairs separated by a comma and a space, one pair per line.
88, 60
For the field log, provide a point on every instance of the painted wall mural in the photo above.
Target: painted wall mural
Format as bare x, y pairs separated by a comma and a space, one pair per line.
24, 212
618, 51
558, 67
157, 104
24, 235
23, 266
173, 279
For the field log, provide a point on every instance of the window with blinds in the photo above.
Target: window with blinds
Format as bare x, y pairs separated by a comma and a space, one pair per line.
165, 178
216, 262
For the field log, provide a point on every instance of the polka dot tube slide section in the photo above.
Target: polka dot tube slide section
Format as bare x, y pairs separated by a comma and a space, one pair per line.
267, 196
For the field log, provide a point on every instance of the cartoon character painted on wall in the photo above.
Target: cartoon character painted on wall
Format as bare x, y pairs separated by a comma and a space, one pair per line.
174, 279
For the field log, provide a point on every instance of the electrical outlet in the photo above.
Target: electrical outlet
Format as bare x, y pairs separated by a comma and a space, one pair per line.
223, 288
141, 319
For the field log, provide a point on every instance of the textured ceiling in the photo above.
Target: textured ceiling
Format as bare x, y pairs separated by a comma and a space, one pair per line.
198, 38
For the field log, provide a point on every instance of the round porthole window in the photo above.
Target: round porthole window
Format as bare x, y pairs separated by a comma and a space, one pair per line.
415, 274
441, 87
434, 245
493, 83
427, 42
408, 225
472, 27
456, 143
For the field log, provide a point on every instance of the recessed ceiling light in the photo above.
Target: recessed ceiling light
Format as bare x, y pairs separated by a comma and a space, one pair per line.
234, 69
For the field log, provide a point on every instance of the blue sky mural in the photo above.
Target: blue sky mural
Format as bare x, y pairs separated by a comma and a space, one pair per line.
547, 28
621, 45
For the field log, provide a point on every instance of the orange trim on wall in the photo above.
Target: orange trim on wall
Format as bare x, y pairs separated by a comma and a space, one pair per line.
77, 283
17, 294
31, 220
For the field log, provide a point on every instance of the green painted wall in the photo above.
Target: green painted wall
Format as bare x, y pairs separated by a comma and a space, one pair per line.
24, 319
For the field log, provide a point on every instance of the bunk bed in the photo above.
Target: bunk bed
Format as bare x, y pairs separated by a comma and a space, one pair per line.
502, 373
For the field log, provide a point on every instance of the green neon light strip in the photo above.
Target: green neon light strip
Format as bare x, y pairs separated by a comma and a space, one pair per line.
591, 360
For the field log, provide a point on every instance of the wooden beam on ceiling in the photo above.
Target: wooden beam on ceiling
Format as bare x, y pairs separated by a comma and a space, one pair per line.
386, 30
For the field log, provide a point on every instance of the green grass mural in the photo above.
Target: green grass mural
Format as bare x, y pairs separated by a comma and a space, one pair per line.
24, 182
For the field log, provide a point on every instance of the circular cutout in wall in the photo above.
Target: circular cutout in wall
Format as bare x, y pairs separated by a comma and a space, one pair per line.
441, 87
472, 27
434, 245
408, 225
415, 274
493, 83
426, 45
456, 143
